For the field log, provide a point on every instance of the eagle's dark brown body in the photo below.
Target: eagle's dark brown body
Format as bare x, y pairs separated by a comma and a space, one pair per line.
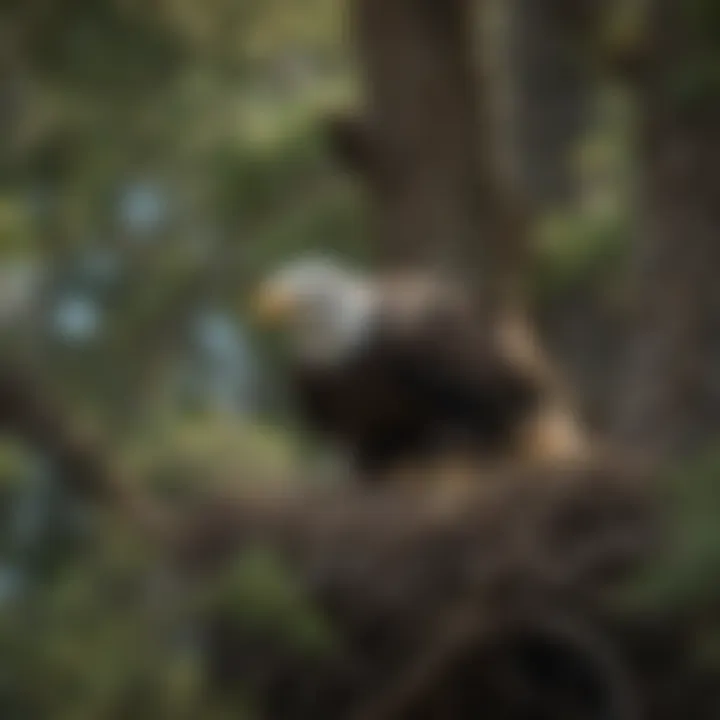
426, 380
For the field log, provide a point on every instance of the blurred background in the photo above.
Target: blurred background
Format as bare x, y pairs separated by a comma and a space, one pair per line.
157, 158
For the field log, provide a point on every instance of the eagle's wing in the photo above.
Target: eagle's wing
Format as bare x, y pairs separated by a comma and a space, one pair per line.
442, 355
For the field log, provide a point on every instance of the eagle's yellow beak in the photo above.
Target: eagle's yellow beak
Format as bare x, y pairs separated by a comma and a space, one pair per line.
272, 305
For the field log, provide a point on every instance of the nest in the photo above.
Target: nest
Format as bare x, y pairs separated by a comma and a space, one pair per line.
498, 600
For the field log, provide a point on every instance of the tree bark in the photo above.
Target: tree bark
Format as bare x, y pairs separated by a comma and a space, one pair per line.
550, 95
88, 468
436, 198
673, 402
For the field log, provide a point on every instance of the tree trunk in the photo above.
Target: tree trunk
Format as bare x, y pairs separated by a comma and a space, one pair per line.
550, 94
673, 402
425, 147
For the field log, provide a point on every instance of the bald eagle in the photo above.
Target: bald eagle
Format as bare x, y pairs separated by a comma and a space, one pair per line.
397, 369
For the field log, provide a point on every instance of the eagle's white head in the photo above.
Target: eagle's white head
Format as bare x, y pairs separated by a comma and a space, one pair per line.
325, 307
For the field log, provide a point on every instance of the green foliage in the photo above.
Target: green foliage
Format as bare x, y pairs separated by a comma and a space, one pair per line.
90, 641
683, 578
228, 454
289, 168
14, 461
694, 80
15, 227
125, 93
217, 103
109, 633
15, 468
577, 251
260, 595
703, 17
688, 574
260, 170
585, 248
